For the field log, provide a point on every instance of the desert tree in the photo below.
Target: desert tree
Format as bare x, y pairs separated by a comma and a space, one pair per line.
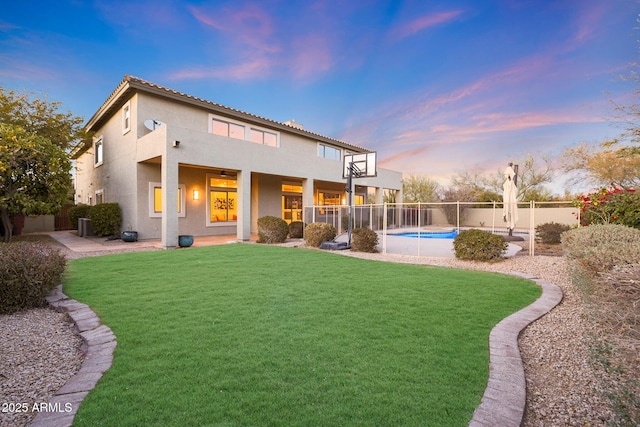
419, 189
35, 141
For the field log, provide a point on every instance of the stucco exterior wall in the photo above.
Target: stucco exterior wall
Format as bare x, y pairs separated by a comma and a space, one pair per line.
141, 156
38, 223
269, 189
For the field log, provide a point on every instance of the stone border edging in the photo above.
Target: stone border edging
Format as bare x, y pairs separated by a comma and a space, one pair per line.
504, 399
100, 342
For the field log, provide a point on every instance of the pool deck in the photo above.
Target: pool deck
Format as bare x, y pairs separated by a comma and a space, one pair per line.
436, 248
392, 244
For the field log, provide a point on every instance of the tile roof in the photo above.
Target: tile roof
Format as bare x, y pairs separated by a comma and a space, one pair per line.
131, 84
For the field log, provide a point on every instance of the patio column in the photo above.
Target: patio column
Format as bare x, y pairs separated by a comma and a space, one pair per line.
243, 232
379, 192
307, 200
169, 181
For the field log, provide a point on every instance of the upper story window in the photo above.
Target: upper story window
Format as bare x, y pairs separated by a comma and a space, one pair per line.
328, 152
98, 155
126, 117
263, 137
226, 128
234, 129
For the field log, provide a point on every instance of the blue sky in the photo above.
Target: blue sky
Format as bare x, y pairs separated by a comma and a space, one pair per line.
435, 87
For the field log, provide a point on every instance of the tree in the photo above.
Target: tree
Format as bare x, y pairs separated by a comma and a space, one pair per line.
603, 166
532, 177
467, 187
389, 196
41, 117
34, 175
614, 163
628, 115
35, 140
421, 189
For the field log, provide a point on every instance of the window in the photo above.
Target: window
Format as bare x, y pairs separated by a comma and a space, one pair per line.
328, 152
328, 199
291, 202
126, 118
99, 197
225, 128
155, 200
222, 205
331, 200
98, 157
234, 129
263, 137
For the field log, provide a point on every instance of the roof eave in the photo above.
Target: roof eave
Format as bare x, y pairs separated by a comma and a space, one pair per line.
132, 84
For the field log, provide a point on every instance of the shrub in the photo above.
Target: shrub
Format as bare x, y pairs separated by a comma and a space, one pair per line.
28, 273
479, 245
319, 232
77, 212
272, 229
296, 229
105, 219
626, 279
607, 206
364, 240
550, 232
598, 248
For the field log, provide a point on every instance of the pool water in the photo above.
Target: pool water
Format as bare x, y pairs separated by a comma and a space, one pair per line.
430, 234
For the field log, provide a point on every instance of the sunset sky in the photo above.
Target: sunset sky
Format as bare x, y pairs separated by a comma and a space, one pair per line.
435, 87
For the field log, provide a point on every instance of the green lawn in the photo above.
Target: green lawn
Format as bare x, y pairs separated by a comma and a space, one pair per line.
252, 335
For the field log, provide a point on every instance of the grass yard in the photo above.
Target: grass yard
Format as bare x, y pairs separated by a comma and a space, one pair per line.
252, 335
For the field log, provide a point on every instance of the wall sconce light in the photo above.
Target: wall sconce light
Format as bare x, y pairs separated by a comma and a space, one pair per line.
196, 195
176, 144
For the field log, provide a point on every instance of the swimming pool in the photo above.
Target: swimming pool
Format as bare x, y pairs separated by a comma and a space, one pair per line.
449, 234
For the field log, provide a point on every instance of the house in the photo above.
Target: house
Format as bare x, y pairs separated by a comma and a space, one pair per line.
177, 164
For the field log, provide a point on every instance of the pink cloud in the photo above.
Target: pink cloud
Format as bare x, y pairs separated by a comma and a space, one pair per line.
141, 17
250, 26
6, 27
400, 157
312, 56
410, 28
589, 21
25, 70
259, 68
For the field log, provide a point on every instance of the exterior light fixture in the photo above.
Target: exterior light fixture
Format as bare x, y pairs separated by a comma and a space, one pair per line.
196, 195
176, 144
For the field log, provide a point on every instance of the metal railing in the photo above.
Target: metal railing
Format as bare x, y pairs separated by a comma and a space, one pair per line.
393, 218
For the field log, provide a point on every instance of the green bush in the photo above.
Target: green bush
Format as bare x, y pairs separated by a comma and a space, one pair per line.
296, 230
105, 219
598, 248
364, 240
319, 232
77, 212
272, 229
28, 273
479, 245
550, 232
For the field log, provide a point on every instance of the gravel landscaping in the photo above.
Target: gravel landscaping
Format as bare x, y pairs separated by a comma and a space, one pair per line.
40, 350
